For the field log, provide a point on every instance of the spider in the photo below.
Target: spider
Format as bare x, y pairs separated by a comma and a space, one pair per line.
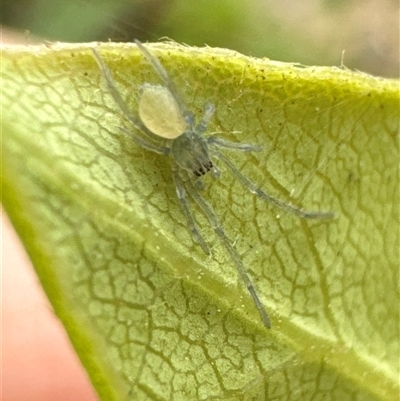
164, 114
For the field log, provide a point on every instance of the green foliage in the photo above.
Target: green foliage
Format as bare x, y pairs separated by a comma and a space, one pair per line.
150, 316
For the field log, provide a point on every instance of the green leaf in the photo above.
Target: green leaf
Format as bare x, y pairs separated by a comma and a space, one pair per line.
153, 318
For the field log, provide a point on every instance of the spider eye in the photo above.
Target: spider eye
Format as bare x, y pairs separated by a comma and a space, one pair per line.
202, 170
199, 172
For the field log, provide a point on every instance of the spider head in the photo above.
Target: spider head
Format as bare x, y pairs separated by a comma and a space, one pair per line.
190, 152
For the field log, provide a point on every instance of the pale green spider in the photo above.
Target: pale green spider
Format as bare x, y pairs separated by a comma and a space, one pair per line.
163, 113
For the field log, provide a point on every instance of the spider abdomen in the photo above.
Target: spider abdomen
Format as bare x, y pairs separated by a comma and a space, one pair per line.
160, 113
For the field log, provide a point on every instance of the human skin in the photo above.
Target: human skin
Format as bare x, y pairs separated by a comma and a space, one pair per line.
38, 361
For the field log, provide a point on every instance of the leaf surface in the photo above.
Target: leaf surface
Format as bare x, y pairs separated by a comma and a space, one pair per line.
153, 318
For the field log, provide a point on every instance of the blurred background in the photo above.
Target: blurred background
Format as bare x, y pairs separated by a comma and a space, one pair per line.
311, 32
38, 362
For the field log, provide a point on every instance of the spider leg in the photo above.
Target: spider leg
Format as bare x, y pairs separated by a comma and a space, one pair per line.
216, 172
223, 143
162, 150
216, 225
209, 110
163, 74
117, 96
253, 188
182, 197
